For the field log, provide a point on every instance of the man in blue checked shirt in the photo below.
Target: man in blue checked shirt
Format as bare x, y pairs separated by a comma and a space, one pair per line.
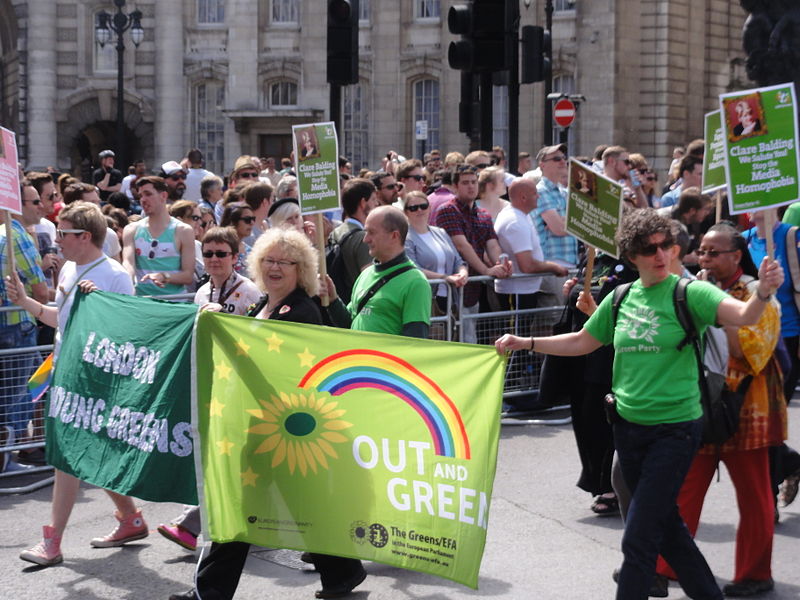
18, 330
550, 219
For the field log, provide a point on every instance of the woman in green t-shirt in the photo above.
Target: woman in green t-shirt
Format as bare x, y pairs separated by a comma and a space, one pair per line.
658, 414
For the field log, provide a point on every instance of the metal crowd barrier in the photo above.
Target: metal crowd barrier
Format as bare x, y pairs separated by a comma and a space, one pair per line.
522, 376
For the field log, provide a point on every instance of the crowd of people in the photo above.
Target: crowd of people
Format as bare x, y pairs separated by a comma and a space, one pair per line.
407, 239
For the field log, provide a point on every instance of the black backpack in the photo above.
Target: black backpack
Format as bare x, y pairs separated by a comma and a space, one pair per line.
721, 406
337, 269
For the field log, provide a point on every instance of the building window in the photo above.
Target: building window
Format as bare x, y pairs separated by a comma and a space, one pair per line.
500, 116
285, 11
561, 5
283, 94
209, 123
355, 117
426, 108
426, 9
363, 10
563, 84
210, 11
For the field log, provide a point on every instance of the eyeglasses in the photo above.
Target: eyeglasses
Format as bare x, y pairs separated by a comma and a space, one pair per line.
247, 175
416, 177
559, 158
388, 186
153, 245
35, 202
205, 224
416, 207
651, 179
627, 161
60, 233
196, 217
217, 253
271, 262
712, 253
651, 249
483, 166
248, 220
178, 177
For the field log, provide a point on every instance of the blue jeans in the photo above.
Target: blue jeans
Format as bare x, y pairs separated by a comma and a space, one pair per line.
16, 407
654, 461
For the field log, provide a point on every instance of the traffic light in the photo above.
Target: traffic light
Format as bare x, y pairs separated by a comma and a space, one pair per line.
481, 24
343, 41
536, 52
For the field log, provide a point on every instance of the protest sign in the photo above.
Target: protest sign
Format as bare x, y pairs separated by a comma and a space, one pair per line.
118, 415
9, 173
594, 207
760, 134
316, 151
714, 163
348, 443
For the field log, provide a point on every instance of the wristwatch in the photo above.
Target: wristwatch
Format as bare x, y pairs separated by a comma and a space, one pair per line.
167, 276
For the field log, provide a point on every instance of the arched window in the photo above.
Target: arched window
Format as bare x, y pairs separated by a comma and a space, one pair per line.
426, 108
355, 117
285, 11
283, 94
210, 11
208, 123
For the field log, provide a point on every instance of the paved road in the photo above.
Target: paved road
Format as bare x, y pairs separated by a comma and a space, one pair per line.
543, 542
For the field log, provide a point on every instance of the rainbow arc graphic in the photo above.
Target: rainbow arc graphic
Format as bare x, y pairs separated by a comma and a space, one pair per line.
372, 369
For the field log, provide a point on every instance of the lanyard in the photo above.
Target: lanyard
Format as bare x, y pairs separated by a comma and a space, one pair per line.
78, 279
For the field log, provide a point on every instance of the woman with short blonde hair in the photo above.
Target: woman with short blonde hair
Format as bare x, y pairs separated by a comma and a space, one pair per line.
298, 250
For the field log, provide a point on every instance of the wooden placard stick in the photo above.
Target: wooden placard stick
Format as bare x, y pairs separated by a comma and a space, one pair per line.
718, 217
769, 227
9, 242
587, 279
319, 222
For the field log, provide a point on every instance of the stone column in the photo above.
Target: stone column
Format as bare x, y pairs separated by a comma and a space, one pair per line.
172, 111
41, 82
241, 91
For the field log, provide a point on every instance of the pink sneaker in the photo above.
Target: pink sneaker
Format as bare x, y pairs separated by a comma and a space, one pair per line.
130, 528
47, 552
177, 534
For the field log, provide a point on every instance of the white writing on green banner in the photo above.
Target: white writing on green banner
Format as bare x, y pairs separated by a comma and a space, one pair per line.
714, 161
594, 207
316, 152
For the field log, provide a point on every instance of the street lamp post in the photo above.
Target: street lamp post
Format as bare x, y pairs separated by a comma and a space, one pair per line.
106, 26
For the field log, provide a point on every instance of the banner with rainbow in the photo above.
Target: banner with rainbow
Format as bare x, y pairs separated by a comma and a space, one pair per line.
347, 443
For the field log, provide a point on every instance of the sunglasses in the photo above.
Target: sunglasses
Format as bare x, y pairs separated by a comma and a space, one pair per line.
217, 253
651, 179
178, 177
389, 186
416, 177
627, 161
560, 158
651, 249
483, 166
248, 220
712, 253
196, 217
247, 175
60, 233
153, 245
416, 207
35, 202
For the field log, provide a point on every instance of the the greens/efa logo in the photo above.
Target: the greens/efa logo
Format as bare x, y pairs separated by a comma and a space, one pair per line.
358, 531
642, 324
378, 536
783, 97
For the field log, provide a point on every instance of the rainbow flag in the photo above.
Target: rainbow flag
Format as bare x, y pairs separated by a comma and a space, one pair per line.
39, 382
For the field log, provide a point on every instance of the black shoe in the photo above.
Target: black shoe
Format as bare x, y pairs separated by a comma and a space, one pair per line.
190, 595
307, 558
659, 589
748, 587
344, 588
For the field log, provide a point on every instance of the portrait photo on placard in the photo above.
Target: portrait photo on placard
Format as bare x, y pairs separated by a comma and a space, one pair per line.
745, 117
307, 143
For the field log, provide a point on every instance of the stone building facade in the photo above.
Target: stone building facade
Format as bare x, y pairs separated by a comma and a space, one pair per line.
232, 76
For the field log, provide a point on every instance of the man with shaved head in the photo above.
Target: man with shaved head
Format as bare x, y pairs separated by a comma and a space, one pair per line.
518, 239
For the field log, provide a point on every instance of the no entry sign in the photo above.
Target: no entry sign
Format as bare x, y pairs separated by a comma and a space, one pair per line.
564, 112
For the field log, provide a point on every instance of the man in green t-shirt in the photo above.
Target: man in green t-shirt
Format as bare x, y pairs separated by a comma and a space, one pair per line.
402, 305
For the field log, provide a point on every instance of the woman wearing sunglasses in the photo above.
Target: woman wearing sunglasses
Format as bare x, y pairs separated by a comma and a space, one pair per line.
189, 212
657, 413
432, 250
242, 218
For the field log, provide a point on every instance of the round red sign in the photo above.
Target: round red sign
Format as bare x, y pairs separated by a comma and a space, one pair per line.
564, 112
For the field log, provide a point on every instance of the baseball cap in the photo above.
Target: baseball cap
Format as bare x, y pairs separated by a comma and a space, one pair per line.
549, 150
106, 154
171, 167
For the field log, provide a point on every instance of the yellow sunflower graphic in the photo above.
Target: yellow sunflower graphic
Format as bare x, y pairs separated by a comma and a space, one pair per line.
300, 429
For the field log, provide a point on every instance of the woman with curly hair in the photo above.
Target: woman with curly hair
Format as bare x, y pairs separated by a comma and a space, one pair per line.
658, 418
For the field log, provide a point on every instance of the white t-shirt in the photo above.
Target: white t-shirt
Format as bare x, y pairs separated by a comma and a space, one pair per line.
125, 188
441, 259
49, 228
193, 179
237, 302
516, 233
111, 245
107, 274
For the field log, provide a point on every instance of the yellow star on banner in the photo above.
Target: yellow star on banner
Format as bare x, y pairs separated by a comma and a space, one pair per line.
215, 408
241, 348
306, 358
249, 477
274, 343
223, 370
225, 446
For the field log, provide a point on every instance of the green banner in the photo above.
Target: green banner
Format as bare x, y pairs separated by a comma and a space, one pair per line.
348, 443
594, 207
714, 162
118, 415
761, 162
316, 152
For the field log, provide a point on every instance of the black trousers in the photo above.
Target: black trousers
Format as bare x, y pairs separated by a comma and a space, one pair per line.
219, 572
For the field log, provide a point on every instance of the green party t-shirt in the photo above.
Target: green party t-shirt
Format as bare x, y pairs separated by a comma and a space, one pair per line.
652, 380
404, 299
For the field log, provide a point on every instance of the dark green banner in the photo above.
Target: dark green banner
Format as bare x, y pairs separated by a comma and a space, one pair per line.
118, 414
